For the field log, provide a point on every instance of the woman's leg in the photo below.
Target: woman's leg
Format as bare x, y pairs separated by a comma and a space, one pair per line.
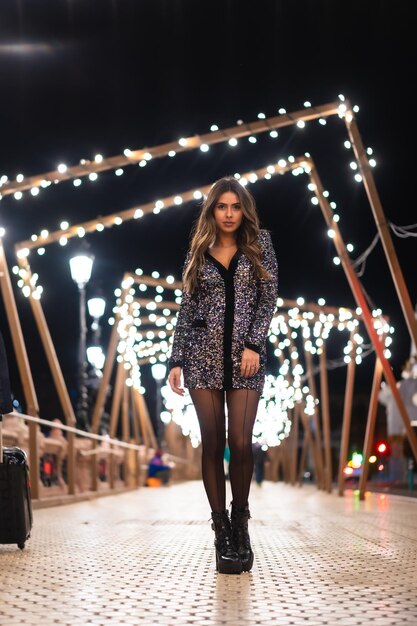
242, 405
209, 406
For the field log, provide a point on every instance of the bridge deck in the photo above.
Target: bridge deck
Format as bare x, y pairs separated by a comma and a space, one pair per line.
147, 557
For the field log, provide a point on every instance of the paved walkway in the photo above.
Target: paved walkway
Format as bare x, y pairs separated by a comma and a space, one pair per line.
147, 558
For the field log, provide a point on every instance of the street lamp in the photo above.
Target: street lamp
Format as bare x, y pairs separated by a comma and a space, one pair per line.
81, 266
158, 372
96, 357
96, 307
95, 354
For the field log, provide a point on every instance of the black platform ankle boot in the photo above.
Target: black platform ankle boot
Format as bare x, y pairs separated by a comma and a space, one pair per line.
227, 559
240, 536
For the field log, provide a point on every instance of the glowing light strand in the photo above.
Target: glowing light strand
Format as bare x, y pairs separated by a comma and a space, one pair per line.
129, 157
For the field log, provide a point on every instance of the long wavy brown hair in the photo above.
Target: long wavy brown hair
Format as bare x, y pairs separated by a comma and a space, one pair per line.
204, 231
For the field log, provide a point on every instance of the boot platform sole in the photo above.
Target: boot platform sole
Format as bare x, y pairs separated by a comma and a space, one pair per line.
247, 565
228, 567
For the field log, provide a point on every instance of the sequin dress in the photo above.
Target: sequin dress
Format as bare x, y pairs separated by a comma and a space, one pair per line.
230, 311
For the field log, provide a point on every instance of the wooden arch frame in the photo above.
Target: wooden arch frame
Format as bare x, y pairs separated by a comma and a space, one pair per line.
342, 109
305, 163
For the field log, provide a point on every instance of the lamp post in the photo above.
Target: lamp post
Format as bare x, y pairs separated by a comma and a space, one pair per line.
158, 373
95, 354
96, 307
81, 266
96, 357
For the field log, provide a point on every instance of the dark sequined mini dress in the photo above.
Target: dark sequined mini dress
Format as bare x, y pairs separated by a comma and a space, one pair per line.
230, 311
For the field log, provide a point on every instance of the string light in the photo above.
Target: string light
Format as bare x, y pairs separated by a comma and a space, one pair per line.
203, 142
290, 163
281, 395
252, 177
142, 287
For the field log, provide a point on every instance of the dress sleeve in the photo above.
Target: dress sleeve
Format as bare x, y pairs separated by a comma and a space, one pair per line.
183, 325
267, 299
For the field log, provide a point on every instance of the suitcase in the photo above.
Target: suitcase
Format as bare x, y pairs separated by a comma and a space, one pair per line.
15, 500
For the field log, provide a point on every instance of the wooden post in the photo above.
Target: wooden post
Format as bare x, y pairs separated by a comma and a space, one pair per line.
370, 428
71, 463
347, 414
273, 463
125, 430
137, 440
307, 443
316, 450
117, 396
361, 301
301, 467
94, 466
19, 347
287, 468
112, 466
382, 226
317, 439
293, 436
324, 392
147, 421
135, 417
125, 413
105, 381
294, 443
34, 471
52, 360
143, 424
309, 439
137, 468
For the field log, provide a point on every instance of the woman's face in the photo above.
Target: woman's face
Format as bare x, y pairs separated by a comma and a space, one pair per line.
228, 213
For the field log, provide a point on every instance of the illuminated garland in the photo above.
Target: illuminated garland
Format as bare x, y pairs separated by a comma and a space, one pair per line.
296, 166
146, 338
92, 168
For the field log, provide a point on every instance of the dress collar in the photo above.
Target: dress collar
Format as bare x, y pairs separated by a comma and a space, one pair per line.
225, 271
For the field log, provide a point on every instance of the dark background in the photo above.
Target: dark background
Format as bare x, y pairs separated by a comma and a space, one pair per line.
84, 77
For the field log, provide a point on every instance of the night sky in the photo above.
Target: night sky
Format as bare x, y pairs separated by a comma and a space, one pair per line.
84, 77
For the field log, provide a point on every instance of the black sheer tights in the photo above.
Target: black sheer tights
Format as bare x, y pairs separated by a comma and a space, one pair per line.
242, 405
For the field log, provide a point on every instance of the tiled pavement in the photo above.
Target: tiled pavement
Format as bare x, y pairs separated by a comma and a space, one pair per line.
147, 557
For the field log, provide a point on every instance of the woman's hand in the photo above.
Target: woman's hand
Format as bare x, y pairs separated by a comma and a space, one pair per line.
250, 363
174, 380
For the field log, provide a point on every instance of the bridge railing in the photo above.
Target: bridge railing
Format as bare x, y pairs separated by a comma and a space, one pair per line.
69, 461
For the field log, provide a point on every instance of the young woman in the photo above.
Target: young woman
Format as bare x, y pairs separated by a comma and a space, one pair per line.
229, 297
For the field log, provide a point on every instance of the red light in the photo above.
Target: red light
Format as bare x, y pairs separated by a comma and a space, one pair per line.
381, 448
